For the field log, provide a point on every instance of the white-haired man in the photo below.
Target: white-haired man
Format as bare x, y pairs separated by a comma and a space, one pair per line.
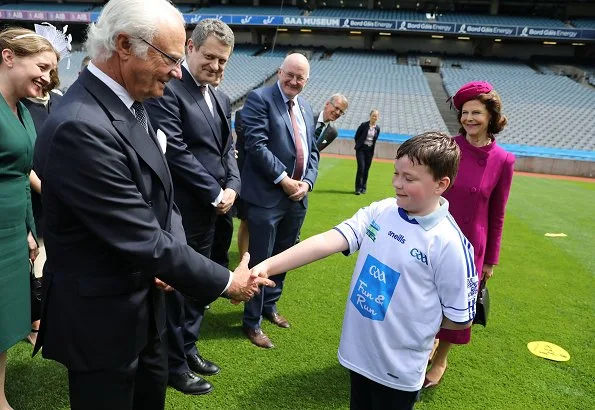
113, 232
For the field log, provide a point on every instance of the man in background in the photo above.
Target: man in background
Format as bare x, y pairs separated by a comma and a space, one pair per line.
326, 132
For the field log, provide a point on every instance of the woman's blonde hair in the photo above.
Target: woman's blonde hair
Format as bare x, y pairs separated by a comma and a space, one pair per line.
24, 42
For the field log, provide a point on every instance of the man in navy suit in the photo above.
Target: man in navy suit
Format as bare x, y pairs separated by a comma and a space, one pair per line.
113, 234
196, 120
280, 168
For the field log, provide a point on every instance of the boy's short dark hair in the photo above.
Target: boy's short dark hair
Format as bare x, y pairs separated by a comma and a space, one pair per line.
439, 152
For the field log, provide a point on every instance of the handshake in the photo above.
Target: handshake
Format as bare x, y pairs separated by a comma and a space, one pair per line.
244, 285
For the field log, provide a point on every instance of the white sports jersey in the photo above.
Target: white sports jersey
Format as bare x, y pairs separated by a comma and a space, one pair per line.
409, 272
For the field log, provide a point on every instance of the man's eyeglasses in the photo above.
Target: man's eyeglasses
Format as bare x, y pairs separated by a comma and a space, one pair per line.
291, 76
337, 108
174, 61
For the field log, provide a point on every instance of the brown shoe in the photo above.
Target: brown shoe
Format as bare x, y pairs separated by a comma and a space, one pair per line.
258, 337
277, 319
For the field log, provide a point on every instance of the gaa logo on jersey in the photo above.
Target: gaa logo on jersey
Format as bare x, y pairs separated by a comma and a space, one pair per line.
374, 289
372, 230
419, 255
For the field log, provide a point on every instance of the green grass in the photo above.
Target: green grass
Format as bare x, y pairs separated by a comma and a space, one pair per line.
543, 289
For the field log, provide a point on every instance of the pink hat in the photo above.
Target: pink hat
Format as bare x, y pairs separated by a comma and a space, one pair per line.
470, 91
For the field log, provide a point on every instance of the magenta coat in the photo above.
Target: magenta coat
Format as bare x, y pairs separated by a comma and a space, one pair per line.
477, 201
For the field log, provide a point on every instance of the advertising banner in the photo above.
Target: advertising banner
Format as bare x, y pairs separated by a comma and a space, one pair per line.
368, 24
486, 30
32, 15
433, 27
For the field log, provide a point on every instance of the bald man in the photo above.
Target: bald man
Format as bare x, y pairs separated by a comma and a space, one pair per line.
280, 168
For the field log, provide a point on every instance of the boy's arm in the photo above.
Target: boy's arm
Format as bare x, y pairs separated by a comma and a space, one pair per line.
449, 324
305, 252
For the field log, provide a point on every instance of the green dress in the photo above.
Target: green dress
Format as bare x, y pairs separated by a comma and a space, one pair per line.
16, 220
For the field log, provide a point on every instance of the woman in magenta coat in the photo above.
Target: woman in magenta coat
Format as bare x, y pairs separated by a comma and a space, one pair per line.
477, 199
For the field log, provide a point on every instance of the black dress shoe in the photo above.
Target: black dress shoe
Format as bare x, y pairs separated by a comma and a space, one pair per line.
357, 192
200, 365
189, 383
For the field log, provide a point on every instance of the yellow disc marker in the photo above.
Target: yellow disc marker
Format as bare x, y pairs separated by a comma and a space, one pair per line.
548, 351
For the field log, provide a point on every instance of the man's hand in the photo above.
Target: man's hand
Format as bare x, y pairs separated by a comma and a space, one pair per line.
229, 197
245, 284
162, 285
289, 186
301, 193
32, 245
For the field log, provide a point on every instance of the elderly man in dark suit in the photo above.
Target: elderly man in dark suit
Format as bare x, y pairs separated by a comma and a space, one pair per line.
114, 237
280, 168
196, 120
326, 132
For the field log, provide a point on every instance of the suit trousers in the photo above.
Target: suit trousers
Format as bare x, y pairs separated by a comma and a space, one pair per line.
138, 385
367, 394
184, 315
364, 157
272, 230
222, 239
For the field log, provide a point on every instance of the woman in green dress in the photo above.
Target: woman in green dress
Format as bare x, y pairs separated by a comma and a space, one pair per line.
25, 65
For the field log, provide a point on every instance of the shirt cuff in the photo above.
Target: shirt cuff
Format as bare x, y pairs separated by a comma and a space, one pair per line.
309, 183
228, 282
280, 178
218, 199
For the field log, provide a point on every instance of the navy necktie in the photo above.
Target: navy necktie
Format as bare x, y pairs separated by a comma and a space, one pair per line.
139, 113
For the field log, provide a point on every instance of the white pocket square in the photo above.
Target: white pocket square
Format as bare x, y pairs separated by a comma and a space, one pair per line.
162, 140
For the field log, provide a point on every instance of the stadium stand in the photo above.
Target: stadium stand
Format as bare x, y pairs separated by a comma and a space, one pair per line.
369, 14
247, 11
69, 75
584, 23
375, 80
245, 71
500, 20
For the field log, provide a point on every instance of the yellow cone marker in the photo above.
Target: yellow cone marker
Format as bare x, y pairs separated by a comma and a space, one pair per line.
548, 351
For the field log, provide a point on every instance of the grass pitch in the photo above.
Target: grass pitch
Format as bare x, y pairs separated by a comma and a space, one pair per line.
543, 289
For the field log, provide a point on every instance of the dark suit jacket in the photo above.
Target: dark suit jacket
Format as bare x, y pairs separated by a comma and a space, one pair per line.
111, 227
240, 131
270, 148
362, 133
39, 113
199, 151
329, 134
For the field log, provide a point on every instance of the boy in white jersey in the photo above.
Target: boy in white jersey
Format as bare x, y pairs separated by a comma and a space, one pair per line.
414, 274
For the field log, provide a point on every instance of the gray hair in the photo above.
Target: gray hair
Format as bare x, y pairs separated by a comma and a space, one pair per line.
137, 18
215, 28
338, 97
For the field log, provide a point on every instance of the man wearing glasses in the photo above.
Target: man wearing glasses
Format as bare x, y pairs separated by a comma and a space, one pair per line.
113, 234
280, 168
326, 132
195, 117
